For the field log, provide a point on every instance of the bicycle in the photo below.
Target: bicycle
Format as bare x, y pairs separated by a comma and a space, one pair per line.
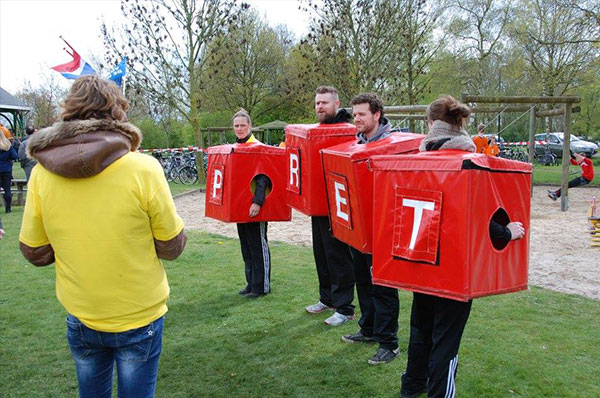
547, 158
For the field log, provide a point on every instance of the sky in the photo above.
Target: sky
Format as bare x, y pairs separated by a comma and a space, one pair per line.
30, 30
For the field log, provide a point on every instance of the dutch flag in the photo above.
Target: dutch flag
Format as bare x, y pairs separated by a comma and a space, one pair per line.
76, 68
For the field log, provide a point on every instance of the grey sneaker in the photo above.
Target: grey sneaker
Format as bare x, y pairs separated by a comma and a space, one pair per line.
358, 337
338, 319
552, 195
383, 355
317, 308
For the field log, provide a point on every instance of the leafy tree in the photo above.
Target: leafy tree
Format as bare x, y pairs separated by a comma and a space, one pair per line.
478, 28
44, 101
245, 67
556, 43
355, 45
165, 41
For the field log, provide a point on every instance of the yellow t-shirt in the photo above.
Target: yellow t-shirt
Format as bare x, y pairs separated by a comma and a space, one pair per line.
102, 230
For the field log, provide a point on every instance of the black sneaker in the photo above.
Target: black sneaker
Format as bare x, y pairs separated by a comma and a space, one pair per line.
358, 337
405, 394
413, 395
383, 355
254, 295
244, 291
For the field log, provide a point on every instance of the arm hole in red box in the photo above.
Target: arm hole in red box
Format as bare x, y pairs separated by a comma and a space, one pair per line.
501, 217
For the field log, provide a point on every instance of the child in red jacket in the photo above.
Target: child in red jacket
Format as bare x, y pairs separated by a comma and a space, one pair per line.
587, 174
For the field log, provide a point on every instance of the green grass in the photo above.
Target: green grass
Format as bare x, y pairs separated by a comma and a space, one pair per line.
218, 344
178, 188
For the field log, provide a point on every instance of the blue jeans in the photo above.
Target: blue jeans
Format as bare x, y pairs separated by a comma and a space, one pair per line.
135, 351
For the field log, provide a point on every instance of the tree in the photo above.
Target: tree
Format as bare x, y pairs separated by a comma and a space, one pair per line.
354, 45
245, 67
557, 44
44, 101
478, 28
165, 41
419, 47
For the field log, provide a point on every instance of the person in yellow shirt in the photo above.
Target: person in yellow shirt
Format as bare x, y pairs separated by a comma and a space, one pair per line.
480, 140
104, 214
492, 149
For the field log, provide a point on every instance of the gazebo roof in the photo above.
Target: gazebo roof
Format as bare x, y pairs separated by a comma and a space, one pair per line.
10, 103
274, 125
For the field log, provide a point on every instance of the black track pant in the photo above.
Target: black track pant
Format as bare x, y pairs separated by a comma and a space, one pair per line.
5, 180
436, 327
334, 267
256, 254
575, 182
379, 305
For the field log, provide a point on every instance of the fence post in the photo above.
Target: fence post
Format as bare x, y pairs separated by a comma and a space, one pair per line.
566, 156
532, 134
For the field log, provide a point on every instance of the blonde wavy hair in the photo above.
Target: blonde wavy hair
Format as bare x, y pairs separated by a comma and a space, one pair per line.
93, 98
4, 143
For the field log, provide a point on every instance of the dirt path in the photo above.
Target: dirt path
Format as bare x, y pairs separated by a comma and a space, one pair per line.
560, 257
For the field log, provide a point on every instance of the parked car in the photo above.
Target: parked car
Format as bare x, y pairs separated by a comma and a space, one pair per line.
555, 141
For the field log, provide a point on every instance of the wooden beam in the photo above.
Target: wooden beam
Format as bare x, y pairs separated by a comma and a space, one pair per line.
498, 109
405, 108
566, 156
520, 100
531, 136
557, 112
406, 117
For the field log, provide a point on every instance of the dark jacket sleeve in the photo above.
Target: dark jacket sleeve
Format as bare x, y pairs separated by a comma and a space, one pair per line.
13, 153
172, 248
260, 192
499, 231
23, 151
38, 256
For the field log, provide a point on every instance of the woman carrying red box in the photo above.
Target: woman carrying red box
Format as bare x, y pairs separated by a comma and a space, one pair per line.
436, 323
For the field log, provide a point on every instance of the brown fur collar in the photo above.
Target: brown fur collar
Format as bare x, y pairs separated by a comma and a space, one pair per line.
61, 130
83, 148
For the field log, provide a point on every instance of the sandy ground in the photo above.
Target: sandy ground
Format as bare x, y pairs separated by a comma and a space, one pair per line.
560, 257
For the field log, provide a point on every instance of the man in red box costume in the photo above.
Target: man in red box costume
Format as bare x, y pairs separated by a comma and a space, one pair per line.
332, 256
436, 323
253, 235
379, 305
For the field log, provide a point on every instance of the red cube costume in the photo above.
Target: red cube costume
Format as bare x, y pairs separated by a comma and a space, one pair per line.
432, 220
305, 182
229, 191
349, 185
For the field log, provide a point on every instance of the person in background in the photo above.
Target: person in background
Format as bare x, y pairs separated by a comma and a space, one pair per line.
5, 131
8, 154
379, 305
333, 258
480, 140
492, 149
26, 163
437, 324
253, 235
587, 174
104, 213
14, 140
1, 229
